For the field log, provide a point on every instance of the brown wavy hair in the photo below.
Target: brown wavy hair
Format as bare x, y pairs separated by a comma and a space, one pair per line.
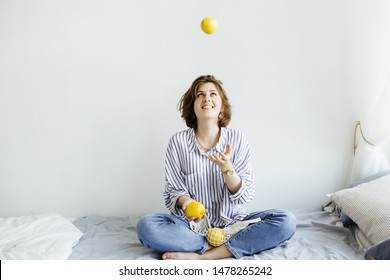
186, 103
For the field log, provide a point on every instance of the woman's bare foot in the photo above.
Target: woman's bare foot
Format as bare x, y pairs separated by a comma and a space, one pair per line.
220, 252
181, 256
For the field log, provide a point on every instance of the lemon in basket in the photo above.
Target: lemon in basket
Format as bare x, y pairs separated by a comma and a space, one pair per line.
215, 237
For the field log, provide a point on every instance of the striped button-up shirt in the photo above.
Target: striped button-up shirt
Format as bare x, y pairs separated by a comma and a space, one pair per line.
189, 172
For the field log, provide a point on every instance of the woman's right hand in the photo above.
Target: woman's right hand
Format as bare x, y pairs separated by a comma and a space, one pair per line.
187, 201
184, 201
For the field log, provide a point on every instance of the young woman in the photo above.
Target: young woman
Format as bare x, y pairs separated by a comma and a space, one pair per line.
210, 163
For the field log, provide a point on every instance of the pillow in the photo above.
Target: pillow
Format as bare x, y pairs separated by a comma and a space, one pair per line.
380, 251
368, 206
44, 236
347, 221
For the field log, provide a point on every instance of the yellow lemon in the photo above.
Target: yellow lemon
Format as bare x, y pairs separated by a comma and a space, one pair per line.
215, 237
195, 210
209, 25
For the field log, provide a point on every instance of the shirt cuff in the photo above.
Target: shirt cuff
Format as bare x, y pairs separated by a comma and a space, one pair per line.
176, 209
243, 195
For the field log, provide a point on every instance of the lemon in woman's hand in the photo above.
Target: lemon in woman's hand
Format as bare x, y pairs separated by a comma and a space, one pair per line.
195, 210
215, 237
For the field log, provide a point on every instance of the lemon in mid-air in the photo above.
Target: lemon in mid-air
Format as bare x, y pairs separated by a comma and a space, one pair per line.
209, 25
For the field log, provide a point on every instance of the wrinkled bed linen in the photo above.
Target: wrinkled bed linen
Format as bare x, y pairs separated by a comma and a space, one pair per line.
316, 238
109, 238
37, 237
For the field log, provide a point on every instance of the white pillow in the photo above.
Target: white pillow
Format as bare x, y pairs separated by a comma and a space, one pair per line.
368, 205
44, 236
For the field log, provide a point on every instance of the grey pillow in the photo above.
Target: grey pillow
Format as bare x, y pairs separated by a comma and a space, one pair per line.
369, 178
380, 251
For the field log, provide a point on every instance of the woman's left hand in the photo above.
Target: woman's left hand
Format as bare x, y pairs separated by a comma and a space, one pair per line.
223, 159
233, 181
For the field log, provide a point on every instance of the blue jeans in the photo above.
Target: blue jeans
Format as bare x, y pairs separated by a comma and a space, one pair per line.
167, 233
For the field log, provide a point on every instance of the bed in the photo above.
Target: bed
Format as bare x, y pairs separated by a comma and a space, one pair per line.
317, 237
51, 236
354, 225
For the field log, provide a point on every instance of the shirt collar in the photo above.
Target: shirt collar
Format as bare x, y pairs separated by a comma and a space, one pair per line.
191, 140
219, 147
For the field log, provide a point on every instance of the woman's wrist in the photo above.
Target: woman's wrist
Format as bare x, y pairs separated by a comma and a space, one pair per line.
227, 167
184, 199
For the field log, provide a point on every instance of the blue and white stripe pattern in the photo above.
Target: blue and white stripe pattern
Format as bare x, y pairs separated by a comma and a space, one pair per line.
189, 172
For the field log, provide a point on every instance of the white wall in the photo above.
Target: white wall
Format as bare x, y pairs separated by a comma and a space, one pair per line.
88, 95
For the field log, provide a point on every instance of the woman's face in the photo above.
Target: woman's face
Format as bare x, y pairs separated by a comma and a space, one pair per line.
208, 102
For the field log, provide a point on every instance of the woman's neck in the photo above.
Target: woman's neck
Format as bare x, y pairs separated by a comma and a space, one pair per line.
207, 135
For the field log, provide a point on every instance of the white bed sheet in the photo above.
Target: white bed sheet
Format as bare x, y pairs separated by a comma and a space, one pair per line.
316, 238
45, 236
